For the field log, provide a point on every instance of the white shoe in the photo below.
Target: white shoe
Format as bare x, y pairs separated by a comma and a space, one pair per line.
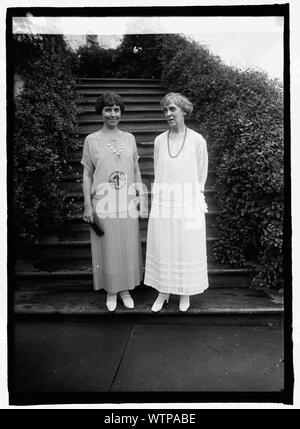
111, 301
159, 302
127, 300
184, 302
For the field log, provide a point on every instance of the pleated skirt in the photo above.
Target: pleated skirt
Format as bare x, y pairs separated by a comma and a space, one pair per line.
176, 259
117, 255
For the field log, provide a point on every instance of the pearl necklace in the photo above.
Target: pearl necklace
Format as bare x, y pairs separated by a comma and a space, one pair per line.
175, 156
114, 148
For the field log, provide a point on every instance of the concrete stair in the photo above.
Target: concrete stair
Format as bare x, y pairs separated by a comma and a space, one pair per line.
226, 306
74, 272
54, 277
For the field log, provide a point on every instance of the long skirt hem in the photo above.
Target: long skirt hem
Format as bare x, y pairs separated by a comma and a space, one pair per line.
117, 255
117, 291
172, 291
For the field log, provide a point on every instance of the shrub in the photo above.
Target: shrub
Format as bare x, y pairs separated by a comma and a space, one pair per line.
94, 61
44, 124
136, 57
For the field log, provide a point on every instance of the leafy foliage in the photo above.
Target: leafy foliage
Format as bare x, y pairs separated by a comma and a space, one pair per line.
44, 124
94, 61
136, 57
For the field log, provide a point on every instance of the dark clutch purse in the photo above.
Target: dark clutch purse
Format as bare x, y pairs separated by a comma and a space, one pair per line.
97, 228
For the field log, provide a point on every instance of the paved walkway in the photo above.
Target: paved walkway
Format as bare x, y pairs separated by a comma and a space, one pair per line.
103, 356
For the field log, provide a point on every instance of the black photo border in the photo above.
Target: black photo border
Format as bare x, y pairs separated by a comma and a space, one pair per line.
40, 398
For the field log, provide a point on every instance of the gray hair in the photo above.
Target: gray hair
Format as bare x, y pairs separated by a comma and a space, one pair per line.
178, 99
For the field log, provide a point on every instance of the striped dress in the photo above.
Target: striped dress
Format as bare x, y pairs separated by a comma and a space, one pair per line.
116, 255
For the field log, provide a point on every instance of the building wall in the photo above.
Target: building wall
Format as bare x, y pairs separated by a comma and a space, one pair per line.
106, 42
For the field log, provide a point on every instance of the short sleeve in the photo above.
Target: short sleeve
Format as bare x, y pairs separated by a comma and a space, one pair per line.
86, 159
202, 161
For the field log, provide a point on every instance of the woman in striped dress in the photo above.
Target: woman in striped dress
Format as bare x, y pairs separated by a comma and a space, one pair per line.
111, 182
176, 261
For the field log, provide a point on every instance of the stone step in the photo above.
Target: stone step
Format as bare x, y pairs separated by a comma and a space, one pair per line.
146, 164
135, 103
73, 185
77, 229
118, 81
131, 108
129, 114
154, 126
86, 112
73, 273
132, 124
77, 206
54, 245
76, 200
129, 88
83, 234
232, 306
145, 148
127, 94
141, 136
73, 182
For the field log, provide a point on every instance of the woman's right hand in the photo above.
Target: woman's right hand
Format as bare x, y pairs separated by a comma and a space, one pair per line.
88, 214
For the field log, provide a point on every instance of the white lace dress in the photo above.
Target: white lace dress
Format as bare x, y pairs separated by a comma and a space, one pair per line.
176, 260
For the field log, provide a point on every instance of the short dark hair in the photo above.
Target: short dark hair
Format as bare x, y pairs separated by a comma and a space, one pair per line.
109, 99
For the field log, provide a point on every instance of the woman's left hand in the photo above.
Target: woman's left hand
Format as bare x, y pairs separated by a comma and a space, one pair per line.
88, 214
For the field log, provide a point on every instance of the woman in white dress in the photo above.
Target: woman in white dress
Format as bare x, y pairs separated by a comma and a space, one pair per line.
176, 261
